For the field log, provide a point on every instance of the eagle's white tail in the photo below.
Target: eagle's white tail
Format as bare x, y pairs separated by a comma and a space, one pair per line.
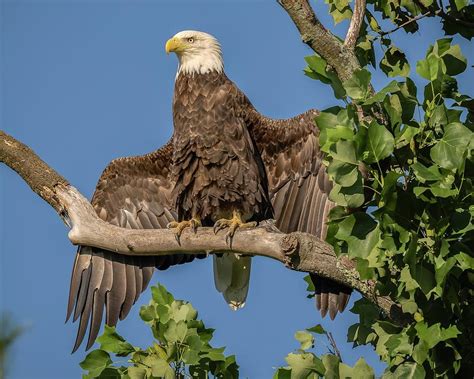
232, 278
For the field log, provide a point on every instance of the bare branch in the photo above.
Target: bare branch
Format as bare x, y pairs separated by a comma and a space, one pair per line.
41, 178
298, 251
356, 22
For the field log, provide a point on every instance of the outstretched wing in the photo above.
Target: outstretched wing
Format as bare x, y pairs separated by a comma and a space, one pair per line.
299, 187
132, 193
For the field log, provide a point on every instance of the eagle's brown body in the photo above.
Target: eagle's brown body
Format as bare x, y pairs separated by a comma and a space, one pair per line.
224, 156
216, 164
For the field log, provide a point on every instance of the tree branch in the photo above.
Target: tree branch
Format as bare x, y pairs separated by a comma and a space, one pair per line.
297, 251
343, 60
356, 22
339, 56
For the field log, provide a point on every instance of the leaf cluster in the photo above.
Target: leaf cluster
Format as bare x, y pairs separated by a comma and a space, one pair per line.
181, 347
401, 160
305, 364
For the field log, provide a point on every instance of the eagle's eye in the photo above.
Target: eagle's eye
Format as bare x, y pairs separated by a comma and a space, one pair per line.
190, 39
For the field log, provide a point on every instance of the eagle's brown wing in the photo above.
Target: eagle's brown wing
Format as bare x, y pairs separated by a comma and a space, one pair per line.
132, 193
299, 187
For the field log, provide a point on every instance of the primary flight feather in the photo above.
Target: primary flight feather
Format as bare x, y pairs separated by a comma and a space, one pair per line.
226, 166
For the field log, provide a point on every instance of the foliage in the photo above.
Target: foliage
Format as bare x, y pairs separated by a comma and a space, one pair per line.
305, 364
9, 333
181, 348
402, 163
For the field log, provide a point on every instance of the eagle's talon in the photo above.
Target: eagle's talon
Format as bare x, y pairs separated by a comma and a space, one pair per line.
194, 223
233, 224
221, 224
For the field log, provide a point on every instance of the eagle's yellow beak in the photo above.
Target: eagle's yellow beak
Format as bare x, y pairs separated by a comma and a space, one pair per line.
174, 44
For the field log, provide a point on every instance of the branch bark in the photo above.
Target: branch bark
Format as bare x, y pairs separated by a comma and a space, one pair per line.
340, 57
297, 251
358, 14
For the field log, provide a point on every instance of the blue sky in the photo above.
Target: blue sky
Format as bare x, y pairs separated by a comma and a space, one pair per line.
84, 82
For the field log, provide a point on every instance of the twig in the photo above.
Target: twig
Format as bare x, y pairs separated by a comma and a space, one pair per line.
332, 342
356, 22
414, 19
298, 251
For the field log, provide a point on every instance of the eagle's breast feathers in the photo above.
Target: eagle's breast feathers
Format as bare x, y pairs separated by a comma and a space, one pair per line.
216, 164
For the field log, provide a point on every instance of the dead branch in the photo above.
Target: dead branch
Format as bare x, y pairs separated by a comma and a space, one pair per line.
297, 251
358, 14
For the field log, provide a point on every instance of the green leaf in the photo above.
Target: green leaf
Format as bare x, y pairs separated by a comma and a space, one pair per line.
319, 70
161, 295
185, 312
181, 330
406, 371
420, 352
435, 334
163, 312
460, 4
331, 363
361, 233
406, 278
438, 116
345, 152
309, 282
339, 10
162, 369
318, 329
431, 68
465, 261
352, 197
424, 276
170, 333
357, 87
405, 135
424, 174
380, 143
451, 150
215, 354
282, 373
95, 362
394, 63
114, 343
363, 370
399, 343
344, 174
191, 357
306, 339
147, 313
109, 373
302, 365
137, 372
454, 60
392, 87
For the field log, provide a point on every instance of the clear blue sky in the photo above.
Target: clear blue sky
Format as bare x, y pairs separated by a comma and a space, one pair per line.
84, 82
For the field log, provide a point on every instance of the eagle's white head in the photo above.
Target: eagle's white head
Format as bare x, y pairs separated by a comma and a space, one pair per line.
198, 52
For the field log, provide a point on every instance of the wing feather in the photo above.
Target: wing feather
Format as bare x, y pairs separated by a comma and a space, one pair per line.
134, 193
299, 186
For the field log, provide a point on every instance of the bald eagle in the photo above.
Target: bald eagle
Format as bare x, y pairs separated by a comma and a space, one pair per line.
225, 166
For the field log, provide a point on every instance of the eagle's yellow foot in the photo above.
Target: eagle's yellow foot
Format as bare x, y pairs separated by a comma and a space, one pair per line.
233, 224
194, 223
